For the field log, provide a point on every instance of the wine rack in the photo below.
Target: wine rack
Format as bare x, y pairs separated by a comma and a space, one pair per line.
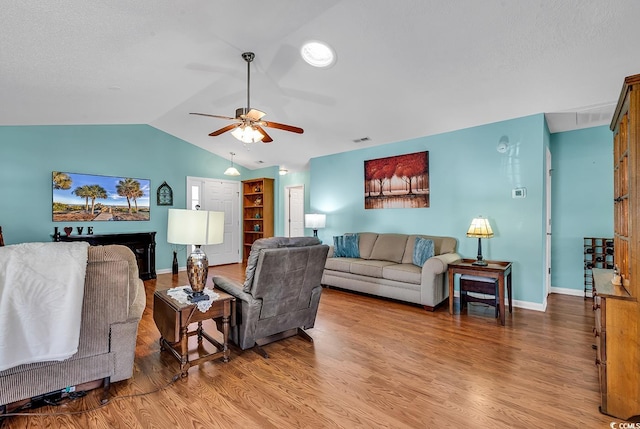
598, 253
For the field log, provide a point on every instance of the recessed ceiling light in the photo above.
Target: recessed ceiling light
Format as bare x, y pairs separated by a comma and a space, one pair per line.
318, 54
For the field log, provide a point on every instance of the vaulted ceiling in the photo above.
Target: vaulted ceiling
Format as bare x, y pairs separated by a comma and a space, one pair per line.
404, 69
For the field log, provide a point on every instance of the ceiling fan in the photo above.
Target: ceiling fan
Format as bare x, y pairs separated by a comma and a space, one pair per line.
249, 126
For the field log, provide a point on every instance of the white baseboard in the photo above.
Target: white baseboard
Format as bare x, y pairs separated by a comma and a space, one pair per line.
567, 291
529, 305
170, 270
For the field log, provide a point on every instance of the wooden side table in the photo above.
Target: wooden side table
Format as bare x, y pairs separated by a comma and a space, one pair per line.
173, 320
495, 269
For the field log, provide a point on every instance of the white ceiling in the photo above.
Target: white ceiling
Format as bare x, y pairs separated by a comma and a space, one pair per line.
405, 68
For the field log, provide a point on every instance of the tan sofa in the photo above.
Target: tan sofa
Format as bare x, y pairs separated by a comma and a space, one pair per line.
113, 302
385, 268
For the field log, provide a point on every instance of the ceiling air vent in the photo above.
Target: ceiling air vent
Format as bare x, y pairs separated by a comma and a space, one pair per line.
361, 140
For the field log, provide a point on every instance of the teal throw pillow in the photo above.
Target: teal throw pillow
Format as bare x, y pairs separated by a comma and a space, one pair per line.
346, 246
422, 250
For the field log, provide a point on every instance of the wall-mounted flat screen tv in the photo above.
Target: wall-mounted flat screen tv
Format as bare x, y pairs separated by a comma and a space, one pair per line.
86, 197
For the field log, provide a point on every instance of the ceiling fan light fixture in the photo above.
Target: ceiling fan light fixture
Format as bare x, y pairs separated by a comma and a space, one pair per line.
318, 54
247, 134
249, 126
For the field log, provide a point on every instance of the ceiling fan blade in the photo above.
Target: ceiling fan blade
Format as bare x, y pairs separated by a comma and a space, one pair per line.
224, 129
282, 127
267, 138
213, 116
255, 114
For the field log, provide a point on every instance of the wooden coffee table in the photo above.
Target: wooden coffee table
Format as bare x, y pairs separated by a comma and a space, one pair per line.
173, 320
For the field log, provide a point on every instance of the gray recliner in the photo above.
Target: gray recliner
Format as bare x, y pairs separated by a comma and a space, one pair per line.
281, 293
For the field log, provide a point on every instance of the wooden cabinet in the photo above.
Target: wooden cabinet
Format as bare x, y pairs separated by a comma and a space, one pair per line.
257, 211
598, 253
617, 310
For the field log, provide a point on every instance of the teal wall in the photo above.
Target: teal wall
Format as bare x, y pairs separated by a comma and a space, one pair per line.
582, 200
28, 155
468, 177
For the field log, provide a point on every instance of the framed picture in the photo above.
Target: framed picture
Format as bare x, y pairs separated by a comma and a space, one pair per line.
164, 195
400, 181
86, 197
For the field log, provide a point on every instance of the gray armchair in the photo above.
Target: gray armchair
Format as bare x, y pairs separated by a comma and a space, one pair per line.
281, 293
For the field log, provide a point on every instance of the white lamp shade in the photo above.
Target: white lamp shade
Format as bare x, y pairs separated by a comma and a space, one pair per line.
480, 228
195, 227
315, 220
231, 171
247, 134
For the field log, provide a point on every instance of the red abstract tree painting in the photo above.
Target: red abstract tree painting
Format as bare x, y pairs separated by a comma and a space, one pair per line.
400, 181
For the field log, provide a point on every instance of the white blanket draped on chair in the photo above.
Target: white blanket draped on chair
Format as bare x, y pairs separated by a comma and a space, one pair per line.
41, 292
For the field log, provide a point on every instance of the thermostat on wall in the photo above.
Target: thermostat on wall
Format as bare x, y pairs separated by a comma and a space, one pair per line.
518, 192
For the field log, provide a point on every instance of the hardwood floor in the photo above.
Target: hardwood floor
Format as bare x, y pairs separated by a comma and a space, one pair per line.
374, 364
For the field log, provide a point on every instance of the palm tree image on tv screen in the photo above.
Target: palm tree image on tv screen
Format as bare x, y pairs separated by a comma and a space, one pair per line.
86, 197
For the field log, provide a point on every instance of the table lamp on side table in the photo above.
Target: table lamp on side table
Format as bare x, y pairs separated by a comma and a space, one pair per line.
315, 221
194, 227
480, 228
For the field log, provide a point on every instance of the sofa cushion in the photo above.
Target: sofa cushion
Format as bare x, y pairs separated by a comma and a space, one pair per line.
441, 246
447, 245
346, 246
406, 273
389, 247
371, 268
422, 250
367, 240
339, 264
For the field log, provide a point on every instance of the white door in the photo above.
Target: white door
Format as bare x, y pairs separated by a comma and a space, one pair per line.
294, 211
548, 224
224, 196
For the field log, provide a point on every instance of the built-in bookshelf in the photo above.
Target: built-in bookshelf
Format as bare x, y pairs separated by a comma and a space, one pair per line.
257, 211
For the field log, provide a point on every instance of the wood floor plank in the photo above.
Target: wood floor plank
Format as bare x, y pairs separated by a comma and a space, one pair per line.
373, 364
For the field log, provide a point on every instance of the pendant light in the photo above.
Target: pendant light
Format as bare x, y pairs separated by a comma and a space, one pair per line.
232, 171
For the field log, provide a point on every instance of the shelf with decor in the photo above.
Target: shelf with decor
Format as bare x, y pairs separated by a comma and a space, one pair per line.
257, 211
598, 253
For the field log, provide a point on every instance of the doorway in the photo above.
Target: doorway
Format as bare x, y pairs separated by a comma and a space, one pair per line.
294, 211
224, 196
547, 265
